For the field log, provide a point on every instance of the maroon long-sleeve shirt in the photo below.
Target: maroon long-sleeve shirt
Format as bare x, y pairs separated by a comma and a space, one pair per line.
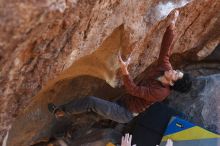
153, 91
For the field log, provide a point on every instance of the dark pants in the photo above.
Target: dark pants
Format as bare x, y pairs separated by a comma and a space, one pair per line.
149, 127
107, 109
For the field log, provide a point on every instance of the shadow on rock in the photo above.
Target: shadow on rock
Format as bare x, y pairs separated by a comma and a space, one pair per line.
35, 124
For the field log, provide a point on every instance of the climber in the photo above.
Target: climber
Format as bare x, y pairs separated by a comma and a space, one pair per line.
159, 83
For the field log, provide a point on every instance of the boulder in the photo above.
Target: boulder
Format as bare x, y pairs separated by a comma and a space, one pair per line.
50, 43
202, 104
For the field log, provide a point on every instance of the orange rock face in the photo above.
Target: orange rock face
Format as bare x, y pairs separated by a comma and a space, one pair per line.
46, 42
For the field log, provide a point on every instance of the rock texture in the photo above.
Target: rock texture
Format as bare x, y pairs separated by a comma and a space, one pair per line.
51, 43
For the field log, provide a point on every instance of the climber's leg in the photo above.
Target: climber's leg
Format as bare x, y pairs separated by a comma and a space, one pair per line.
107, 109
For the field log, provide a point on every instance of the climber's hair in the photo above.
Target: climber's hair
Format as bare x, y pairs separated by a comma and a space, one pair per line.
183, 85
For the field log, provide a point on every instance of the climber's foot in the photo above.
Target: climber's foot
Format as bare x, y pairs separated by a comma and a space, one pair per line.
56, 111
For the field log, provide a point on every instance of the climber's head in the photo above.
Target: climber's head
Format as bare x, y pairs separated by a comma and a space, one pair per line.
173, 75
178, 80
184, 84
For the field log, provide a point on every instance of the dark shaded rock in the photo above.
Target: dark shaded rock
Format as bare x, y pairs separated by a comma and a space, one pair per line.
202, 104
99, 138
214, 56
35, 123
203, 68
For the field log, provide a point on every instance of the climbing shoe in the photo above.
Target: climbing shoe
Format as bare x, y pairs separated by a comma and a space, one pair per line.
55, 110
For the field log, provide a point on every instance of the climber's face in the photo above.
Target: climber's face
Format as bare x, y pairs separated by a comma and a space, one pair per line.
172, 76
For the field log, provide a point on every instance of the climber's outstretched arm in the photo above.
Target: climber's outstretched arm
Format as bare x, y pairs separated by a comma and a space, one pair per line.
168, 43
